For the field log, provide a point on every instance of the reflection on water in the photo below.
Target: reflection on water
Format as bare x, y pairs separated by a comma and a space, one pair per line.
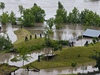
57, 71
10, 33
6, 58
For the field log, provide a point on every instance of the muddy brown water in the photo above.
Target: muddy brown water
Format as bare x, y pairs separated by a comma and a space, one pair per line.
67, 32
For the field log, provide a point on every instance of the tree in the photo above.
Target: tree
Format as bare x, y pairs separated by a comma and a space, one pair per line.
5, 18
96, 57
5, 43
21, 9
73, 64
61, 16
2, 5
12, 18
74, 16
33, 15
60, 6
38, 13
50, 22
28, 18
23, 51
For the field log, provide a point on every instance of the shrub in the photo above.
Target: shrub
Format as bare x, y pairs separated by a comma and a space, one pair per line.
5, 43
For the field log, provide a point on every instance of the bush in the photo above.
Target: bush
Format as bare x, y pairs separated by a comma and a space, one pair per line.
63, 42
5, 43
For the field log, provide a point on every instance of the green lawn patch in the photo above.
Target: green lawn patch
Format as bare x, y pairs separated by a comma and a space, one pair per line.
31, 44
65, 57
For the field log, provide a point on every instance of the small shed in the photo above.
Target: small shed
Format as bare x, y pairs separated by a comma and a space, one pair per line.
91, 33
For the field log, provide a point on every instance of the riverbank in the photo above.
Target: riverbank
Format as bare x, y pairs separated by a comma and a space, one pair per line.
6, 69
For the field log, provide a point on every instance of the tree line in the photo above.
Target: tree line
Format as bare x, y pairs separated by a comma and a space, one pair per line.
36, 14
85, 17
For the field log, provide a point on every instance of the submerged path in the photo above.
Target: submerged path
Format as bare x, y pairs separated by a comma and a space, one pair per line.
10, 32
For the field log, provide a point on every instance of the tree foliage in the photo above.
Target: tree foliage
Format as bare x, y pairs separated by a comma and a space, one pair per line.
21, 9
50, 22
85, 17
74, 16
28, 18
12, 18
5, 43
38, 12
61, 16
4, 18
33, 15
96, 57
2, 5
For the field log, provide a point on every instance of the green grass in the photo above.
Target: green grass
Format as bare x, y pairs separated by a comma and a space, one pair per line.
31, 43
66, 56
6, 69
21, 33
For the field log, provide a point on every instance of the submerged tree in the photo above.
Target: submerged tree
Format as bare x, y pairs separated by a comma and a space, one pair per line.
50, 22
33, 15
61, 16
12, 18
5, 43
28, 18
74, 16
5, 18
22, 56
38, 13
21, 9
2, 5
96, 57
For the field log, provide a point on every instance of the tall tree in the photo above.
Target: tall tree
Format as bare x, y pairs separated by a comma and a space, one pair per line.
28, 18
21, 9
12, 18
33, 15
96, 57
2, 5
61, 16
5, 43
74, 16
60, 6
22, 56
50, 22
38, 13
4, 18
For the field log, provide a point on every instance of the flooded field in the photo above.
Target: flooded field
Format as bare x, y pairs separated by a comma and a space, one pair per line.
68, 32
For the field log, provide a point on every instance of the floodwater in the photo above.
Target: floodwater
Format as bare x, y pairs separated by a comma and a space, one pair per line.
50, 6
66, 33
10, 33
6, 58
82, 69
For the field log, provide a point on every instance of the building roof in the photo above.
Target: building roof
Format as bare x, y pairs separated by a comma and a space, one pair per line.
91, 33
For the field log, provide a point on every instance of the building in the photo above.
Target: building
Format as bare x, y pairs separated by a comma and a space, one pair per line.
91, 33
